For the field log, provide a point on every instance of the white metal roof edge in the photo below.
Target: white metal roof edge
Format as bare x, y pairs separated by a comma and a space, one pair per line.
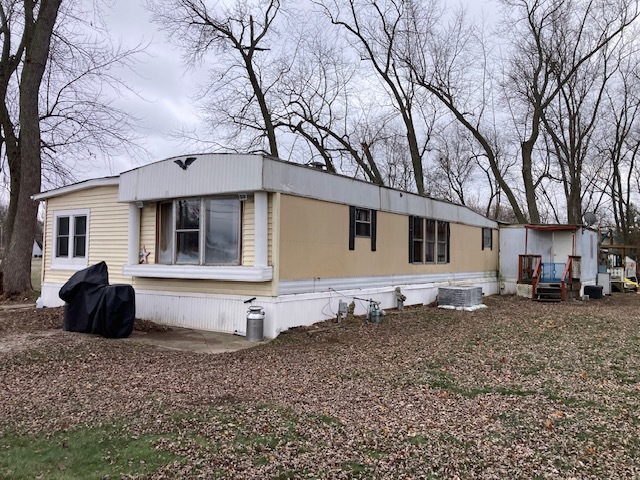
332, 187
75, 187
276, 175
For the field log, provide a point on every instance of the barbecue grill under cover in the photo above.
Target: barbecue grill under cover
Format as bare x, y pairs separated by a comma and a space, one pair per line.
94, 306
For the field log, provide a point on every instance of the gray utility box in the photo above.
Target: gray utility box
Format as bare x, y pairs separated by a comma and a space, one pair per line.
604, 279
460, 296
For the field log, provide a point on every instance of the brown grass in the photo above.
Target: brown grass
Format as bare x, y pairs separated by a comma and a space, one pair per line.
518, 390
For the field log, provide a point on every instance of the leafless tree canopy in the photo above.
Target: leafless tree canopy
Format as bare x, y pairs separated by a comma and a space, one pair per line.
56, 75
530, 118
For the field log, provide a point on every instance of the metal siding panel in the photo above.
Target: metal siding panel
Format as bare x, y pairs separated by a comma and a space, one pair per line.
203, 313
219, 173
312, 183
210, 174
586, 239
315, 285
511, 246
207, 287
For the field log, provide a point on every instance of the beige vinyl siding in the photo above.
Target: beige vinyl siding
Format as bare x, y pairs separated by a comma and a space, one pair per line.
314, 242
178, 286
148, 230
108, 231
248, 232
270, 230
274, 240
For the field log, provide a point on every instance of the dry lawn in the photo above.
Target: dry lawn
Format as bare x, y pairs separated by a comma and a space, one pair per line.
36, 273
518, 390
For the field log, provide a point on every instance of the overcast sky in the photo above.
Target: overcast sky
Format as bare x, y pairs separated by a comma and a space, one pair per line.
165, 86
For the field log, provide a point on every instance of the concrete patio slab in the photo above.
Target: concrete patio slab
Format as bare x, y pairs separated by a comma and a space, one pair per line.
189, 340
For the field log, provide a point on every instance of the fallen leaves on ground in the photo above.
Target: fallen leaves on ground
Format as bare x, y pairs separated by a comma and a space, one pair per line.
518, 390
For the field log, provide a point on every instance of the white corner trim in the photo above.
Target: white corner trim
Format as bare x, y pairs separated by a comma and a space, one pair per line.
232, 273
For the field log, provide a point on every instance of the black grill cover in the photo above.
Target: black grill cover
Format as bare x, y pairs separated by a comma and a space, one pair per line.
116, 313
94, 306
82, 294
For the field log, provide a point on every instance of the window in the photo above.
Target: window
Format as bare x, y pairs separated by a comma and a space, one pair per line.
443, 242
71, 235
199, 231
431, 241
362, 223
418, 239
487, 238
428, 240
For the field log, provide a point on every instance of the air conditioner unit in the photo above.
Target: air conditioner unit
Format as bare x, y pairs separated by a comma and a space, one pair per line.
459, 296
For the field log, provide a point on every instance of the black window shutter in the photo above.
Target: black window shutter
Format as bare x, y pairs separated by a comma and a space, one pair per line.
352, 228
374, 226
410, 239
491, 239
482, 238
448, 242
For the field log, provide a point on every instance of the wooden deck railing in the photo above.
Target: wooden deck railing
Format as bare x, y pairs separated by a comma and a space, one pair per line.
566, 279
535, 277
526, 266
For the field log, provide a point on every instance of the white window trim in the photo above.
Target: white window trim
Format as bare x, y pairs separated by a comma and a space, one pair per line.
70, 262
200, 272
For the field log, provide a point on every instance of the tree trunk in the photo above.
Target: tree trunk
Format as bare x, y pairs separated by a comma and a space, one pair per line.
17, 268
527, 178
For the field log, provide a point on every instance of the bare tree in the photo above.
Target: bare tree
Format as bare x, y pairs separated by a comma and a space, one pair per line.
620, 146
557, 40
455, 166
51, 97
550, 41
320, 108
36, 38
571, 122
242, 31
376, 32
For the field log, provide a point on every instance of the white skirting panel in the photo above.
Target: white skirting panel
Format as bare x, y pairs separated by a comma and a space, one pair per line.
227, 313
49, 295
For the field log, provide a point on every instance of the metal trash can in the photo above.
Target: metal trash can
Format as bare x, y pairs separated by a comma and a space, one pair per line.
255, 324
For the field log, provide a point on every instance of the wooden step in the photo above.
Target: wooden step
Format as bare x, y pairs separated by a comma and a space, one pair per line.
548, 292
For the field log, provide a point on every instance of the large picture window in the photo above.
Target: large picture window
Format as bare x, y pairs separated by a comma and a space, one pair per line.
70, 238
429, 240
199, 231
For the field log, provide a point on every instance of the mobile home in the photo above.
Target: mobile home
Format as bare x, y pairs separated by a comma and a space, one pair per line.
197, 236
